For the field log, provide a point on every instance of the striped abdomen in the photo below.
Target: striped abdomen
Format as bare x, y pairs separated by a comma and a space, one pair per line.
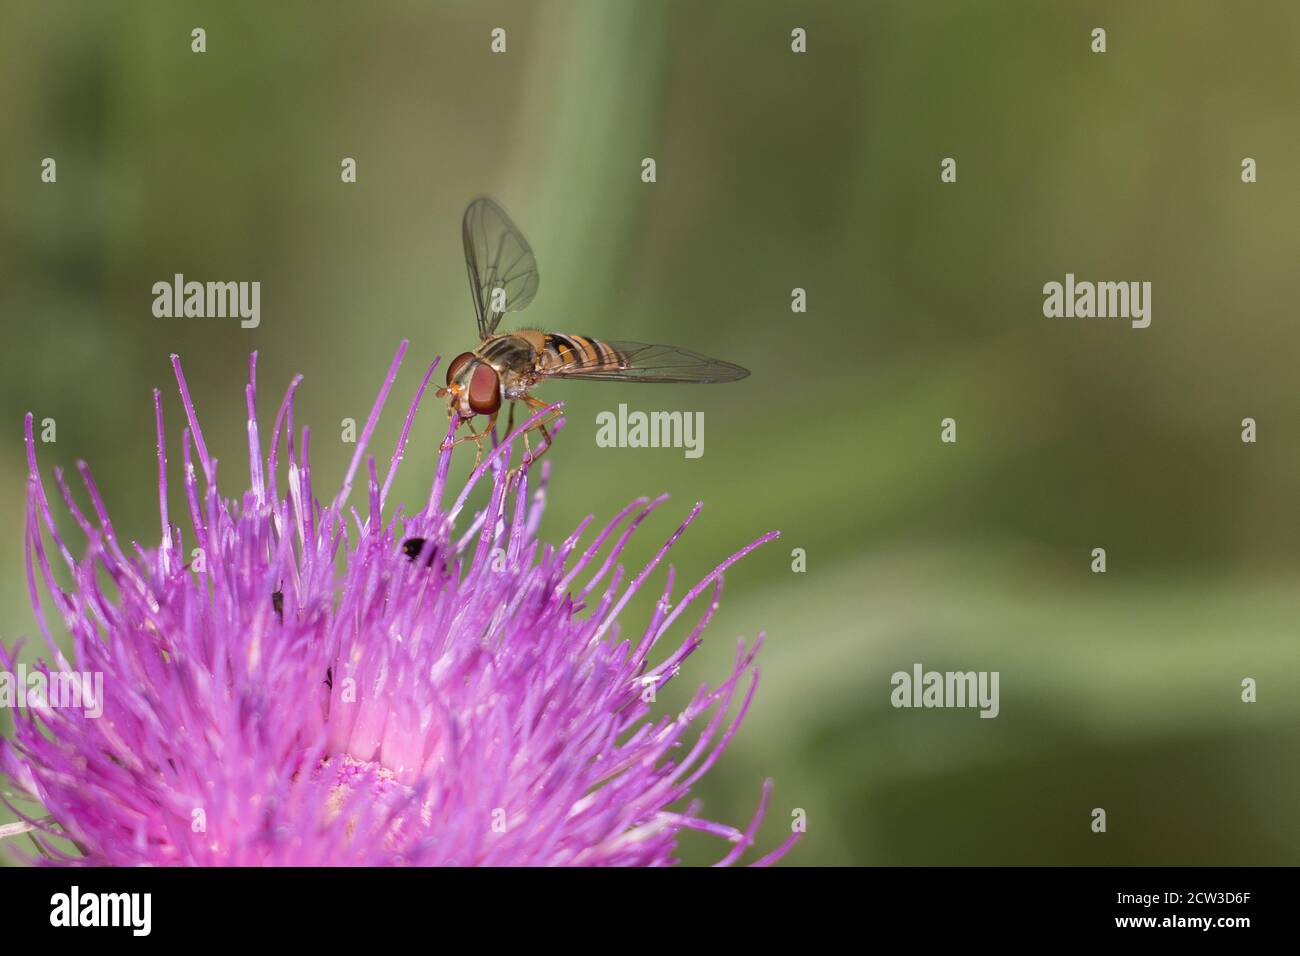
572, 353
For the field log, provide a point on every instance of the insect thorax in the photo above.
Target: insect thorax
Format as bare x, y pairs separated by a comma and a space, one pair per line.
515, 358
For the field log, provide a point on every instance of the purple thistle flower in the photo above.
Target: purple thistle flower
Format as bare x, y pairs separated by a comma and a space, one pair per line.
438, 696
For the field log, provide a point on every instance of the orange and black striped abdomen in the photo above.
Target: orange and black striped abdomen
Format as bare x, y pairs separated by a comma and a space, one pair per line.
579, 352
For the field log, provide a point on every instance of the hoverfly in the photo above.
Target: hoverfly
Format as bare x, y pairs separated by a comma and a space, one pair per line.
507, 367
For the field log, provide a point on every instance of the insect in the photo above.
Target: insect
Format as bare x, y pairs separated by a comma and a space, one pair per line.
412, 548
507, 367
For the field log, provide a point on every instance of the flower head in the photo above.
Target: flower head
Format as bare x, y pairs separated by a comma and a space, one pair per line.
295, 682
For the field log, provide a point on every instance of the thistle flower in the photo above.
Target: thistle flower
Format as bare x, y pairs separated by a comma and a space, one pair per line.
282, 686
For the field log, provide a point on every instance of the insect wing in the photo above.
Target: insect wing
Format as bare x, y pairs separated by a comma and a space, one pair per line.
502, 270
639, 362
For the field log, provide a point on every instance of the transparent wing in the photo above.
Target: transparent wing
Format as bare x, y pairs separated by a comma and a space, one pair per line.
638, 362
502, 271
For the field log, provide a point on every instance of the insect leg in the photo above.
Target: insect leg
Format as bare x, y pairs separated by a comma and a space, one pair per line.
489, 429
478, 443
534, 404
473, 436
547, 441
510, 420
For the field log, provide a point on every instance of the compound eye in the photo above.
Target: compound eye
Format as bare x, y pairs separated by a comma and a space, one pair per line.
456, 365
484, 390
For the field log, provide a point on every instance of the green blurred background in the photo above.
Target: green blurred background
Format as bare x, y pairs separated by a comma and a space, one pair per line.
775, 171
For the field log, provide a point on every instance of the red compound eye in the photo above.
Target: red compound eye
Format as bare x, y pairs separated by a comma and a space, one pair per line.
484, 390
456, 365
